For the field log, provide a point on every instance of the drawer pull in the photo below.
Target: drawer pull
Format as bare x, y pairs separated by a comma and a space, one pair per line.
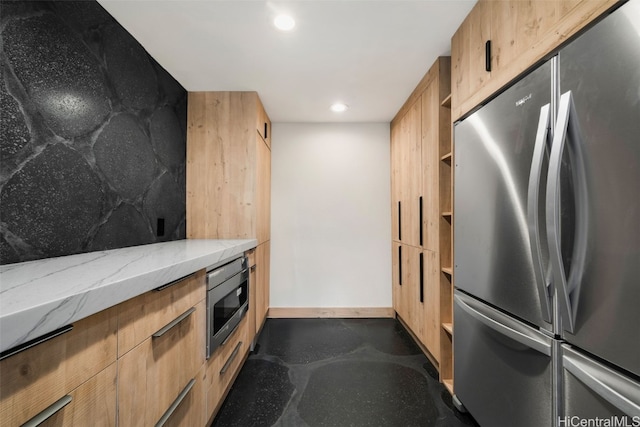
230, 334
48, 412
35, 342
179, 319
175, 282
175, 403
230, 359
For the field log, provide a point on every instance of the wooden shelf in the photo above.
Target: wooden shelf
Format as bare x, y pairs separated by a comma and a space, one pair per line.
447, 214
448, 327
446, 158
447, 270
448, 384
446, 102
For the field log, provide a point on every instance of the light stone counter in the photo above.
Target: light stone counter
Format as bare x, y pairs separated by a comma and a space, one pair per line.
38, 297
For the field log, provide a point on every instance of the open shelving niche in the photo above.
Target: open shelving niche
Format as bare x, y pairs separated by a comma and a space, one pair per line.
446, 249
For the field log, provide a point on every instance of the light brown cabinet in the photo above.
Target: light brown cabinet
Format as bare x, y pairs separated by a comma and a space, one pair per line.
77, 367
229, 197
223, 366
228, 167
416, 134
520, 34
263, 260
229, 179
163, 336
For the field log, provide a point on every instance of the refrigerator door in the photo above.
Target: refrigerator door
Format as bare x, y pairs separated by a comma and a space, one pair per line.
600, 253
592, 390
503, 368
494, 154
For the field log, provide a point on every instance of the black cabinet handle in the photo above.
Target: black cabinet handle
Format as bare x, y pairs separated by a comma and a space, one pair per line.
420, 215
400, 265
400, 221
421, 277
487, 55
34, 342
175, 282
265, 131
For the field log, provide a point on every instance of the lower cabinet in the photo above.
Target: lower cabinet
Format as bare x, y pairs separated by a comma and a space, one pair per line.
263, 260
155, 377
69, 378
140, 363
93, 403
224, 364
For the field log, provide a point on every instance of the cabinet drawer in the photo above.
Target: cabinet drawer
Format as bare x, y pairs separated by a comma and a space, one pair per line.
153, 374
93, 403
140, 317
189, 411
223, 366
36, 378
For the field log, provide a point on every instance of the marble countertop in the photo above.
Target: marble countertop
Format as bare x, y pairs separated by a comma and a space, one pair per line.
38, 297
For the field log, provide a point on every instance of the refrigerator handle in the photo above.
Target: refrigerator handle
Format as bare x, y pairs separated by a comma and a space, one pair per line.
567, 129
504, 325
533, 205
616, 390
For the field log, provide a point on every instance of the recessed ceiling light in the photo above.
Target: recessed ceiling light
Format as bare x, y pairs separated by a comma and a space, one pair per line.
284, 22
339, 107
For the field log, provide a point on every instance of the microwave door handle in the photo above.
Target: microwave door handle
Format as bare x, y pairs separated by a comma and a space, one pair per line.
533, 204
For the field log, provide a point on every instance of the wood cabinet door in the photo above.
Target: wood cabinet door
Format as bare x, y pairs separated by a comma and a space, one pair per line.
263, 255
143, 315
468, 54
396, 180
430, 304
37, 377
222, 367
518, 25
408, 295
93, 403
152, 376
221, 165
396, 272
411, 174
430, 164
263, 191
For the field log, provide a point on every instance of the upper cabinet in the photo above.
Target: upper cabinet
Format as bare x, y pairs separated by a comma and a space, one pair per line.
500, 39
228, 166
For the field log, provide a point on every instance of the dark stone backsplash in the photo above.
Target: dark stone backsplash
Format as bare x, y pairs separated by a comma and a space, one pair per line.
92, 134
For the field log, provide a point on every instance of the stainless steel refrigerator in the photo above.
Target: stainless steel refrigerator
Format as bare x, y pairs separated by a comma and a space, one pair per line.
547, 239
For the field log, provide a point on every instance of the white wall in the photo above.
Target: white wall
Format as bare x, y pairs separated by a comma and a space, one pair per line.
331, 220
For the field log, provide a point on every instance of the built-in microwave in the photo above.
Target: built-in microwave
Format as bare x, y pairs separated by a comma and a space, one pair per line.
227, 301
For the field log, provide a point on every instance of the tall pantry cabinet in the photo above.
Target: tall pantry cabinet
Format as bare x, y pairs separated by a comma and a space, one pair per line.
416, 134
229, 179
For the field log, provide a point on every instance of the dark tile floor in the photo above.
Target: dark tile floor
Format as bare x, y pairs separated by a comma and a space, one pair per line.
338, 372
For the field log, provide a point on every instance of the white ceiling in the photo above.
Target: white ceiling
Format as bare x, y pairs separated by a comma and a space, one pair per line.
369, 54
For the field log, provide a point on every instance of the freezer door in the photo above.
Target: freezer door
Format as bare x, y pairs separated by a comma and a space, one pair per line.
494, 153
592, 390
503, 368
601, 252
